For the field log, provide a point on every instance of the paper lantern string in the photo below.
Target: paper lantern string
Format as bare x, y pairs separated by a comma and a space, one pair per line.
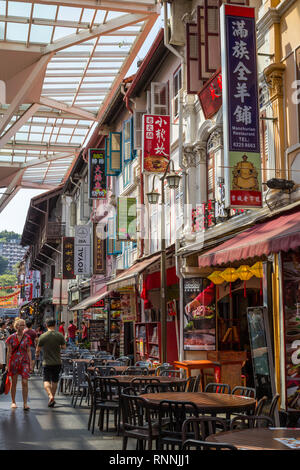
217, 279
244, 274
230, 275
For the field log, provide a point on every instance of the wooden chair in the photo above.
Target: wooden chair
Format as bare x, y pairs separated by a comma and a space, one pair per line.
217, 388
193, 444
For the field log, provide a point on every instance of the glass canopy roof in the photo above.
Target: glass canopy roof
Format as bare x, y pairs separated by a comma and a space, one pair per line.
61, 63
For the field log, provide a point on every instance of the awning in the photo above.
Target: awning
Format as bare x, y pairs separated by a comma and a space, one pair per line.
278, 234
128, 278
89, 301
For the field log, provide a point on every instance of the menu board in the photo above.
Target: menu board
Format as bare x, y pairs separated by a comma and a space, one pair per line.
96, 330
291, 300
259, 351
199, 315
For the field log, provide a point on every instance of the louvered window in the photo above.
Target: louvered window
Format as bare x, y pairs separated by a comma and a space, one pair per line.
159, 98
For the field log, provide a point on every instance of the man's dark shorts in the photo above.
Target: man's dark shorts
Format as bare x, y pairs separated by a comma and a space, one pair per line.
51, 373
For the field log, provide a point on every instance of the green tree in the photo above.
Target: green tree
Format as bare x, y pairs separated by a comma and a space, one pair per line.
6, 236
3, 264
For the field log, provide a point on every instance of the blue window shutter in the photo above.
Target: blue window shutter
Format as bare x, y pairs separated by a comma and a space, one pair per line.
127, 140
115, 152
107, 158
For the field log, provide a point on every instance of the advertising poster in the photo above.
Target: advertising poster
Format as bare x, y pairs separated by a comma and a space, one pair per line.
156, 142
82, 250
240, 105
97, 176
199, 315
291, 299
127, 305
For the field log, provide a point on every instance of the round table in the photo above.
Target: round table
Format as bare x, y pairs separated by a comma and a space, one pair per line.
257, 438
126, 380
213, 403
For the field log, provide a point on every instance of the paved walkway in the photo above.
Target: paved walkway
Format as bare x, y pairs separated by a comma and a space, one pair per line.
60, 428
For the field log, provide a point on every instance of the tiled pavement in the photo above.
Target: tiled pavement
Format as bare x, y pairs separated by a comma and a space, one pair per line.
60, 428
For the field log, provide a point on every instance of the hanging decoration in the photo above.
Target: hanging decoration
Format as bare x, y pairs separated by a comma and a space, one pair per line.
18, 286
5, 297
257, 270
217, 279
230, 275
244, 273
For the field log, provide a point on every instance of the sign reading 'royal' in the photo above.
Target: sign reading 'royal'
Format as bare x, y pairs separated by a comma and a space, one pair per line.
82, 255
240, 107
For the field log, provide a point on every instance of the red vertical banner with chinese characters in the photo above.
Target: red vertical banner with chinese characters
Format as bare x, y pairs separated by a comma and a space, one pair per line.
68, 258
97, 176
156, 142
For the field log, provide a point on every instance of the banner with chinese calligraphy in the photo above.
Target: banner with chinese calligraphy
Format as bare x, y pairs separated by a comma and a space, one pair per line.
99, 255
126, 219
97, 176
240, 107
68, 258
210, 96
156, 142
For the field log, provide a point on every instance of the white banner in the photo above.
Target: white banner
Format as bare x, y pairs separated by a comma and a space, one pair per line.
82, 250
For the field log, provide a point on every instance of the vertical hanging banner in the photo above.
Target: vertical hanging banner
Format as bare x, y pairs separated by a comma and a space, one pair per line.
240, 107
156, 142
97, 176
126, 219
99, 256
82, 250
68, 258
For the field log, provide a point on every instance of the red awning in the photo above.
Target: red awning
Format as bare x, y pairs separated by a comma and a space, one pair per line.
279, 234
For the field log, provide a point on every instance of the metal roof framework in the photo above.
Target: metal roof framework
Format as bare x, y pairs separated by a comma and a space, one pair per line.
61, 63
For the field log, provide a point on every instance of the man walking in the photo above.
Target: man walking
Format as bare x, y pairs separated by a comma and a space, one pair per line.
52, 342
72, 333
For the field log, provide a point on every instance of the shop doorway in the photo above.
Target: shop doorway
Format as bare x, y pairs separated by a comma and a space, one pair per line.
128, 339
233, 333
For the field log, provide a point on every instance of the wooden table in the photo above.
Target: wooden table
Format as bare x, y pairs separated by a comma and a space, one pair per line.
120, 369
199, 365
212, 403
126, 380
256, 438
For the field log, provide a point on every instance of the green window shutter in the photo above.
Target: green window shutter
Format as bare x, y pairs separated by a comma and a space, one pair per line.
126, 219
114, 246
115, 151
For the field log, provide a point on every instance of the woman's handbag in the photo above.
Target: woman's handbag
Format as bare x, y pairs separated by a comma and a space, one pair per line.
7, 385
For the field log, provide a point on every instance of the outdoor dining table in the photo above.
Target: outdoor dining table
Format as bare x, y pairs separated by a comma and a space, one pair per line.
259, 438
126, 380
200, 365
208, 403
120, 369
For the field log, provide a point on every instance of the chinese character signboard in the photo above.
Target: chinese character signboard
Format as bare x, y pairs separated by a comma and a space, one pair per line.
68, 258
97, 176
99, 265
210, 96
156, 142
126, 219
82, 256
240, 105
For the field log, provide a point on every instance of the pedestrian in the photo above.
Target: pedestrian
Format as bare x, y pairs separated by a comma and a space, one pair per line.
61, 328
51, 342
19, 361
10, 327
72, 333
33, 337
3, 337
84, 332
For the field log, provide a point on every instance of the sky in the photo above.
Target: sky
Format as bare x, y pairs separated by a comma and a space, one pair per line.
13, 217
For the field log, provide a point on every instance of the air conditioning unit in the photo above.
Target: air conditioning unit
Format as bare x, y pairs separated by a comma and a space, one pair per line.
73, 214
177, 26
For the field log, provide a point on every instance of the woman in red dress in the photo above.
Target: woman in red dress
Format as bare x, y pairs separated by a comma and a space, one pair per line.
19, 360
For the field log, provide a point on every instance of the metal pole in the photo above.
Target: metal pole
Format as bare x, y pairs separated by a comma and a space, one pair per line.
163, 307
